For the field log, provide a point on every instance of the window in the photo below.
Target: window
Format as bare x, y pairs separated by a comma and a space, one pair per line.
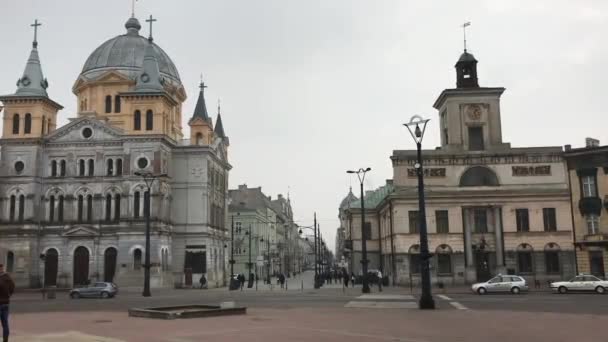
21, 207
149, 120
142, 162
523, 221
81, 167
110, 167
48, 129
119, 167
60, 209
108, 207
414, 263
238, 227
11, 214
137, 120
108, 104
476, 139
54, 168
549, 219
445, 136
117, 207
480, 217
19, 166
524, 261
444, 263
136, 204
367, 231
199, 138
43, 125
62, 168
91, 167
593, 224
589, 187
87, 132
80, 208
552, 262
27, 125
89, 208
413, 219
116, 104
16, 123
52, 209
443, 224
137, 259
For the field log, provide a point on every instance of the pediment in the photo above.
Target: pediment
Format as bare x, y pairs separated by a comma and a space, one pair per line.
81, 231
112, 76
74, 131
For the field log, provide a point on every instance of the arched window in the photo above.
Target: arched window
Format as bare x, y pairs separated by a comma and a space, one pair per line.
110, 167
86, 104
199, 138
479, 176
54, 168
12, 208
81, 167
136, 204
137, 259
27, 125
81, 105
21, 207
137, 121
108, 207
60, 209
117, 207
80, 208
62, 168
108, 104
91, 167
43, 125
444, 260
52, 208
119, 167
149, 120
10, 262
116, 104
90, 208
16, 123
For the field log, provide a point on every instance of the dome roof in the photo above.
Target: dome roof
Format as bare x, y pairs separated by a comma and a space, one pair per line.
125, 54
350, 198
466, 57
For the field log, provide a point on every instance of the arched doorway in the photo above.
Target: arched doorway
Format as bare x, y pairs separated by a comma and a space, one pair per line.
109, 262
51, 260
81, 266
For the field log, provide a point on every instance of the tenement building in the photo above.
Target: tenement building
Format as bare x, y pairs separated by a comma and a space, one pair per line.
73, 198
490, 208
588, 172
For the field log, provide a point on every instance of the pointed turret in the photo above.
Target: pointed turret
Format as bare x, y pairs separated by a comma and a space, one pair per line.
200, 111
149, 80
33, 83
201, 126
219, 127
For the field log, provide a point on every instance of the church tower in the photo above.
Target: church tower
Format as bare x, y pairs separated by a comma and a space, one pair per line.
201, 126
29, 112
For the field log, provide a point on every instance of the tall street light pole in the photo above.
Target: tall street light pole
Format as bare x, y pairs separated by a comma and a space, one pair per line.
314, 228
361, 175
149, 179
417, 133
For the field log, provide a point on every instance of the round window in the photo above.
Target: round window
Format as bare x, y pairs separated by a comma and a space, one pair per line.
87, 132
19, 166
142, 163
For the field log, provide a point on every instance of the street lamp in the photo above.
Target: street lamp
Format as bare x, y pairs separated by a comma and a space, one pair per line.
249, 264
361, 175
417, 133
268, 256
149, 179
317, 283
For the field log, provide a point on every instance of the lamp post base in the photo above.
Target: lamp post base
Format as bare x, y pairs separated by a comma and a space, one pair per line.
426, 303
365, 289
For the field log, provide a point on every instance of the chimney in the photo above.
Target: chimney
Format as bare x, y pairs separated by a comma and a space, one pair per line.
590, 142
567, 148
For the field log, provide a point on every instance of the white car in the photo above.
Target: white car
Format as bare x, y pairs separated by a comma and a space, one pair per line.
583, 282
501, 283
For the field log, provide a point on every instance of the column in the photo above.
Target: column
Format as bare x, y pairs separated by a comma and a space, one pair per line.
470, 270
500, 259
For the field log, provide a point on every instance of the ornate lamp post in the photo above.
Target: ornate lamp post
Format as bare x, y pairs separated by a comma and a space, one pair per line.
149, 179
361, 175
314, 228
417, 133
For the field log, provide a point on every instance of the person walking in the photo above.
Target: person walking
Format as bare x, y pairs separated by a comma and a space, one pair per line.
7, 287
203, 282
352, 278
379, 281
346, 278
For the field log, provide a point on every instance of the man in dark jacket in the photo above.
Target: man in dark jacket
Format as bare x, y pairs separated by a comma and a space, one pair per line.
7, 287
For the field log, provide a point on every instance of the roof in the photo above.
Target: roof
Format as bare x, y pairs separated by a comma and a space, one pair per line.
248, 199
466, 57
200, 110
219, 127
374, 197
350, 198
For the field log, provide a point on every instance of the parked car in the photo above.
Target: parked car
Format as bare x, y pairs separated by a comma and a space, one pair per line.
95, 290
501, 283
583, 282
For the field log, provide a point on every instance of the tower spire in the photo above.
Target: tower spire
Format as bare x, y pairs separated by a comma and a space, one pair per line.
33, 83
200, 111
149, 79
219, 126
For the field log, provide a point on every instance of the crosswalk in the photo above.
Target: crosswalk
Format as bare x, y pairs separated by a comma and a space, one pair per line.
393, 301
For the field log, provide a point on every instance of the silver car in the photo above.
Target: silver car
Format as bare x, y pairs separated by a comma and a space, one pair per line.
583, 282
95, 290
501, 283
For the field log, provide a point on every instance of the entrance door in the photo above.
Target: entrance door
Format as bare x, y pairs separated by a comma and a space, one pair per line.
50, 267
596, 261
109, 264
482, 266
81, 266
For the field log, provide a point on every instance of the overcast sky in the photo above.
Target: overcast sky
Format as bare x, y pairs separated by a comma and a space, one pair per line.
311, 88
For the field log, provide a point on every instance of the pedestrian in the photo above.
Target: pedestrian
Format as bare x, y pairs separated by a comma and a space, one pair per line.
203, 282
346, 278
242, 280
379, 281
7, 287
352, 278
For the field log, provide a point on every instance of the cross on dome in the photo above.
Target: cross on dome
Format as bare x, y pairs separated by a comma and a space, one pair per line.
35, 26
151, 21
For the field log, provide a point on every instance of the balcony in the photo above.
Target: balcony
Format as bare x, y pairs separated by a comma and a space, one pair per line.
590, 206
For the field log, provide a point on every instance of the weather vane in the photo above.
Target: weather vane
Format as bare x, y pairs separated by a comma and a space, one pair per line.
464, 32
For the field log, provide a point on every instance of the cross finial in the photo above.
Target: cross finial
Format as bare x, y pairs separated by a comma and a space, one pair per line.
150, 20
218, 106
35, 26
133, 8
202, 84
464, 32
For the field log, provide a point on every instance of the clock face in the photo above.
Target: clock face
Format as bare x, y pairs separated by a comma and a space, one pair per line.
474, 112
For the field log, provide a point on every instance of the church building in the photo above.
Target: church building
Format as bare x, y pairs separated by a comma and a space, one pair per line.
74, 198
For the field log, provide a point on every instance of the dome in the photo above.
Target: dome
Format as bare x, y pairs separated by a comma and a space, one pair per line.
350, 198
466, 57
125, 54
